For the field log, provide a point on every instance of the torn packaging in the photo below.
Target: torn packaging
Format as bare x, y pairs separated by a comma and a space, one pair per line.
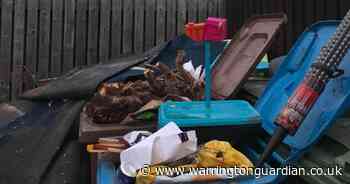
115, 101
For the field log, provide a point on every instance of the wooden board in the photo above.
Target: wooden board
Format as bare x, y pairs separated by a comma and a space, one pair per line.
213, 8
127, 26
160, 22
139, 25
192, 10
171, 19
181, 15
18, 48
116, 28
68, 36
92, 38
31, 40
202, 10
104, 31
44, 39
89, 132
81, 33
56, 33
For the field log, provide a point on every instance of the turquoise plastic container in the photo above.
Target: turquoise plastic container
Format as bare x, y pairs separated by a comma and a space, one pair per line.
196, 114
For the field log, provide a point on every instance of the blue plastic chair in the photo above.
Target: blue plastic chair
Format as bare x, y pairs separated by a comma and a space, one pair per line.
332, 103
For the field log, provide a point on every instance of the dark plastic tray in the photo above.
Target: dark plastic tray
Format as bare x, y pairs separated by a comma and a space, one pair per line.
244, 52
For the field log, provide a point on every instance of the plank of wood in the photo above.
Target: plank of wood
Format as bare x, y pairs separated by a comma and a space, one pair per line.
222, 8
92, 50
31, 40
116, 29
181, 16
81, 33
171, 19
139, 25
192, 10
202, 10
105, 15
18, 48
56, 38
127, 26
44, 39
150, 23
160, 25
213, 8
68, 36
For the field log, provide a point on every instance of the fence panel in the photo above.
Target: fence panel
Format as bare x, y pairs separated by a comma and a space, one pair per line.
47, 38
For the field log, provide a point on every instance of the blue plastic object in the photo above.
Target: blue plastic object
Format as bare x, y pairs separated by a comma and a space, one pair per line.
106, 172
332, 103
194, 114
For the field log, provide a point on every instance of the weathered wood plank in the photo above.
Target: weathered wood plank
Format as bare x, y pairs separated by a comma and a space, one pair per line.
127, 26
92, 52
56, 38
160, 25
192, 10
81, 32
68, 36
181, 16
116, 29
222, 8
31, 40
213, 8
139, 25
6, 38
150, 23
171, 19
202, 10
320, 9
18, 49
105, 15
44, 39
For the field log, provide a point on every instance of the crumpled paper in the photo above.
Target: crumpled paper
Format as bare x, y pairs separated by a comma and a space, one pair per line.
166, 145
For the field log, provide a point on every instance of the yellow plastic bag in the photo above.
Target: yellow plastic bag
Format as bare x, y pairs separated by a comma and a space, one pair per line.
220, 153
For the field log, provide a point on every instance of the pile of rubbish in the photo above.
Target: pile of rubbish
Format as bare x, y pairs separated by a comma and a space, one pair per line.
166, 122
115, 101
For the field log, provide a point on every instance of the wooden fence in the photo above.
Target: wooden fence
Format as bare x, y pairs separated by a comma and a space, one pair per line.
300, 13
50, 37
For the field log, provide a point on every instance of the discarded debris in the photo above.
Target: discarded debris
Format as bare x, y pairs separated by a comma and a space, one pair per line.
115, 101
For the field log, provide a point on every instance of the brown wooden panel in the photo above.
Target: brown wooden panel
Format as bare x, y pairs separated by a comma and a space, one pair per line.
171, 19
181, 15
81, 33
150, 23
105, 15
18, 48
44, 39
68, 36
320, 9
139, 25
160, 22
56, 38
116, 28
31, 40
127, 26
92, 39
